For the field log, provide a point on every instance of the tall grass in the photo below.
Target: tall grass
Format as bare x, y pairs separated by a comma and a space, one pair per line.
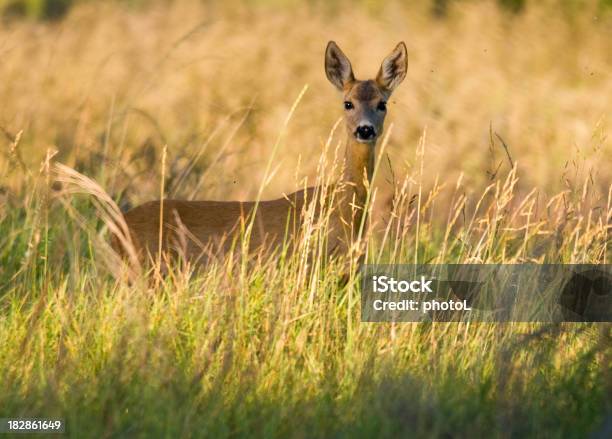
497, 154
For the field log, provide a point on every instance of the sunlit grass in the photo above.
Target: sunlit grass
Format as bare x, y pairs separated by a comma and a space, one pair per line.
273, 346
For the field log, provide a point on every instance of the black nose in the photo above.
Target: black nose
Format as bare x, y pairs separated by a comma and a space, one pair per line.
365, 132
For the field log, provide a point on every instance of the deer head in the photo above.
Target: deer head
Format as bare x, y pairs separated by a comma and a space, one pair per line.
365, 102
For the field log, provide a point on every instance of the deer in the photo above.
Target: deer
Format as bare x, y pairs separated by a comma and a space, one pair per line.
201, 223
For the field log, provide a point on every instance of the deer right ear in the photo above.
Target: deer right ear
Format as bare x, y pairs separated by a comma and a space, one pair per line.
393, 69
337, 66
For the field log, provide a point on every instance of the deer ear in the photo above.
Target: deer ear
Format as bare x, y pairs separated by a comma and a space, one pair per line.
393, 68
337, 66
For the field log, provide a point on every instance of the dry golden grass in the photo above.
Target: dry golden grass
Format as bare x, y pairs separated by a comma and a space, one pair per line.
109, 86
279, 350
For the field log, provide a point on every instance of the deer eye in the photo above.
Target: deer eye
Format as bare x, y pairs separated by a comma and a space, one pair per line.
382, 106
348, 105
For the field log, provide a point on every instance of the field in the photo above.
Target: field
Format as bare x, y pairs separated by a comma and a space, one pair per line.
498, 151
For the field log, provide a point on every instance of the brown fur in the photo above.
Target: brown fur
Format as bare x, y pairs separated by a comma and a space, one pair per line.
199, 229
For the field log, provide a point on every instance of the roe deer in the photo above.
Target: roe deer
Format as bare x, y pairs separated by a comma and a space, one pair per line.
205, 222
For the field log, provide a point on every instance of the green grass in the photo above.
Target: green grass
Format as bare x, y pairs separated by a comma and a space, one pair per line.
261, 351
276, 348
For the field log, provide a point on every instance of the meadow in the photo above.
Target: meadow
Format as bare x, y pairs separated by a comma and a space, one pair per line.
497, 151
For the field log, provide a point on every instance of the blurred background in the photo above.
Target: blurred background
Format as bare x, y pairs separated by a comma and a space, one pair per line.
108, 84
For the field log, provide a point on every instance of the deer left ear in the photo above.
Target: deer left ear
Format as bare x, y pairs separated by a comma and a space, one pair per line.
337, 66
393, 69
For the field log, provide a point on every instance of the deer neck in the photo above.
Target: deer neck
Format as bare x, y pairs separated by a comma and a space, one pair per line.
359, 168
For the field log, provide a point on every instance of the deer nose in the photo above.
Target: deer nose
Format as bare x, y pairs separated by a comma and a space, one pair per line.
365, 132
